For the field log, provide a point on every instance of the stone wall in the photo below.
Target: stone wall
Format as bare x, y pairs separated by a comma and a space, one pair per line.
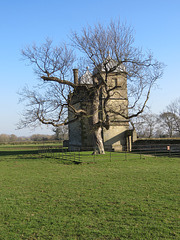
156, 145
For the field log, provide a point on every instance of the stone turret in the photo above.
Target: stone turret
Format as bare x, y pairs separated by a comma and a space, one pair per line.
80, 132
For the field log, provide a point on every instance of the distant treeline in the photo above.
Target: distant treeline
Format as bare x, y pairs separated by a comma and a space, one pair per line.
5, 138
60, 133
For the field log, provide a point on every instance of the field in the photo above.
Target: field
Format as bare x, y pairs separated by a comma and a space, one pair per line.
115, 196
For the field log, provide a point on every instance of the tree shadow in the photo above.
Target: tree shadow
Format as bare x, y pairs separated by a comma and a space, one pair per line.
19, 152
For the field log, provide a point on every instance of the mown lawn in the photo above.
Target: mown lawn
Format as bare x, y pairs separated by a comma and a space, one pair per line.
105, 198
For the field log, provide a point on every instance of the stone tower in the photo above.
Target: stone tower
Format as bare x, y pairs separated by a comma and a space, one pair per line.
80, 131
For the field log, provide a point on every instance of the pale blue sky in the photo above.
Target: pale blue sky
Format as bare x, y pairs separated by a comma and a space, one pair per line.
156, 24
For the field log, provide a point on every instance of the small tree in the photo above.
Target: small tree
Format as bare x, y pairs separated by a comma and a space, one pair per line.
100, 45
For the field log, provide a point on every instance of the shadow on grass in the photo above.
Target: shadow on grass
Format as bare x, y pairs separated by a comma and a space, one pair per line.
37, 155
29, 151
14, 153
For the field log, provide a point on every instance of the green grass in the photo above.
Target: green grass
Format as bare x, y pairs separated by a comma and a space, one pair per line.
101, 198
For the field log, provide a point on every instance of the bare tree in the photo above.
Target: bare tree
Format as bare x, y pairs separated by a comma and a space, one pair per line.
146, 125
167, 123
174, 108
61, 133
4, 138
170, 119
47, 103
105, 49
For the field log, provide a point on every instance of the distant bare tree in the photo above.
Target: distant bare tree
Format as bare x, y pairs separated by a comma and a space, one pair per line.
61, 133
167, 123
13, 138
100, 45
174, 108
4, 138
170, 119
146, 125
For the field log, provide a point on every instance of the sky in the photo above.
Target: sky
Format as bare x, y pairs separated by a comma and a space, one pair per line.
156, 24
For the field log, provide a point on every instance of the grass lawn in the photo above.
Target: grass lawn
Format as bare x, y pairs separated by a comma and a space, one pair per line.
102, 198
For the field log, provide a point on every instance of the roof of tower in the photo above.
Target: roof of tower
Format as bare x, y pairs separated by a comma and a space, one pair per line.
86, 78
110, 64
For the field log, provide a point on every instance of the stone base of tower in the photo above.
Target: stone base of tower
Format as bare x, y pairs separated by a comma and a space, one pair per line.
115, 138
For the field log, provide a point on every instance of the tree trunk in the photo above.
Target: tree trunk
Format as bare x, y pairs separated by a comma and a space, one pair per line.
98, 142
99, 146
